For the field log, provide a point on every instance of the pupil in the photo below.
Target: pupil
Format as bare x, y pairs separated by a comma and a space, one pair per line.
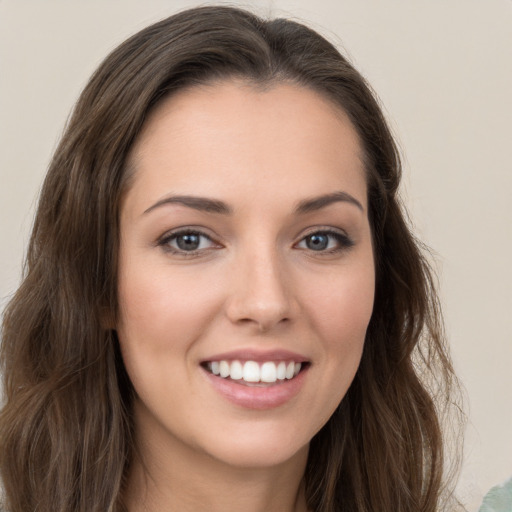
317, 242
188, 242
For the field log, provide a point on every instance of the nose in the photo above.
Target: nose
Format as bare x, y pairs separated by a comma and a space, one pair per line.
261, 292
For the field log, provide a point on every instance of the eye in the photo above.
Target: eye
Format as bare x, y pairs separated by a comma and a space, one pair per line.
186, 241
326, 241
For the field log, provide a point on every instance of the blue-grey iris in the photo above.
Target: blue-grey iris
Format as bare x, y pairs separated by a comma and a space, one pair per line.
189, 242
317, 242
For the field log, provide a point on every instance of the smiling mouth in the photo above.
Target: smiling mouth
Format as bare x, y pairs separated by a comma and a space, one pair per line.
252, 373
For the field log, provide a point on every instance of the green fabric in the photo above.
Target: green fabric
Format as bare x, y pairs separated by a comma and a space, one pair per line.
498, 499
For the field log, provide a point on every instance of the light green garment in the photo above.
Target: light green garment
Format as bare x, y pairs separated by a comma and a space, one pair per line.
498, 499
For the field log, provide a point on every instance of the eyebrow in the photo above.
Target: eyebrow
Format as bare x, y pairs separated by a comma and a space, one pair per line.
202, 204
317, 203
205, 204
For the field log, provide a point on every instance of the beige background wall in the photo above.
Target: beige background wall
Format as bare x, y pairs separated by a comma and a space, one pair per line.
443, 70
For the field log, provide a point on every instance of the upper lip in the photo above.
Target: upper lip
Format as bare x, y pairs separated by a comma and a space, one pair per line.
257, 356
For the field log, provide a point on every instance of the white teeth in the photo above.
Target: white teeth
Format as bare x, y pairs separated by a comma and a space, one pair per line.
251, 371
236, 372
215, 367
224, 369
268, 372
281, 370
290, 369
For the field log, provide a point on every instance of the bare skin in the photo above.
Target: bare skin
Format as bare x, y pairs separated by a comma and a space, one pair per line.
176, 479
244, 235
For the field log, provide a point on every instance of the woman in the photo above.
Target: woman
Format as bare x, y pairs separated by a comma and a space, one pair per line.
223, 307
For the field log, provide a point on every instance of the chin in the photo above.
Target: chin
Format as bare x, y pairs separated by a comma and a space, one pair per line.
259, 448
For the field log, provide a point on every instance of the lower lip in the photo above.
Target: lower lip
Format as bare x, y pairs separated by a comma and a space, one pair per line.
255, 397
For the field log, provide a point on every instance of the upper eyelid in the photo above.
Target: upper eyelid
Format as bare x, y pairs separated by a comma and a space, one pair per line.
323, 229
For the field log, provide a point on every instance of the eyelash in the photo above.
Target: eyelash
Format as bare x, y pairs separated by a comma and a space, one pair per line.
343, 242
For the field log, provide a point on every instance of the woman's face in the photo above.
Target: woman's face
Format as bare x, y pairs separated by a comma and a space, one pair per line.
245, 250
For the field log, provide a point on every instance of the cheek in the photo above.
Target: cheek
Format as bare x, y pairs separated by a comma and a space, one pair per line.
161, 319
162, 315
157, 305
340, 311
342, 304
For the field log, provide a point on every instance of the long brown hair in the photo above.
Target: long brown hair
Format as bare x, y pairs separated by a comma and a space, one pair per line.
66, 424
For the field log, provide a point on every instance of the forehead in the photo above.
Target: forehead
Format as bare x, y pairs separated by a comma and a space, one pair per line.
235, 139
